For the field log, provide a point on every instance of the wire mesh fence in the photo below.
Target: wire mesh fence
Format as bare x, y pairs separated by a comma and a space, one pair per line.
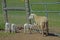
51, 10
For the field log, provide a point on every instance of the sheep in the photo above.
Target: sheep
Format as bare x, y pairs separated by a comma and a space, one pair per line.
13, 28
41, 21
10, 27
27, 27
7, 27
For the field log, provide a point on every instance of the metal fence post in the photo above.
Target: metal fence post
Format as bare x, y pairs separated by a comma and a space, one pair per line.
4, 5
27, 7
46, 10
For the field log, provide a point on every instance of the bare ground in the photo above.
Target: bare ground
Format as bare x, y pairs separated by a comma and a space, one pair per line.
33, 36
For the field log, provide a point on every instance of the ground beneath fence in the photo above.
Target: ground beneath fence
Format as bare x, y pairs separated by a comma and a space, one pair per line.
36, 36
33, 36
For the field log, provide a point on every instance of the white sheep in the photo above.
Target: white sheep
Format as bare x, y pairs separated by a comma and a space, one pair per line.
7, 27
13, 28
41, 21
27, 27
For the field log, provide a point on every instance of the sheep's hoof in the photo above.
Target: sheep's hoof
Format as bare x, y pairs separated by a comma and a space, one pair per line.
44, 35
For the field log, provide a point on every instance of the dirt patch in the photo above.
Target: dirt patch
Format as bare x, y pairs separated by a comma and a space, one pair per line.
33, 36
22, 36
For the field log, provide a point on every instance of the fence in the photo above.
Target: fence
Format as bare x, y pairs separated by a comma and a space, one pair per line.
53, 15
5, 9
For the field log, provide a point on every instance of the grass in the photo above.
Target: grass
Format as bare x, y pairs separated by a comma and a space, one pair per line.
1, 16
19, 17
3, 34
16, 3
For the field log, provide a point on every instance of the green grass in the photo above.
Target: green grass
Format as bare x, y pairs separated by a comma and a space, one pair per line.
54, 19
1, 16
15, 3
19, 17
45, 0
3, 34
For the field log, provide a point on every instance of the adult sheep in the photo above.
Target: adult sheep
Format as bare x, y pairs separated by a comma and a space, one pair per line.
41, 21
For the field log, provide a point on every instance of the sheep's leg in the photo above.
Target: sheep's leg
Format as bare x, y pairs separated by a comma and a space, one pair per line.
42, 30
24, 29
46, 28
27, 30
39, 28
46, 25
30, 30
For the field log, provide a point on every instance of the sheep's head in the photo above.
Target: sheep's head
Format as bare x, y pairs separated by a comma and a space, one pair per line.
31, 16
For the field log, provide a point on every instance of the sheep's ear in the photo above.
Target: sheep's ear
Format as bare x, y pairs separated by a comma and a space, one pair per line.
32, 14
30, 17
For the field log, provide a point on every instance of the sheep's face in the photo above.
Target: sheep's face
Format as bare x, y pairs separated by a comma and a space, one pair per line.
31, 16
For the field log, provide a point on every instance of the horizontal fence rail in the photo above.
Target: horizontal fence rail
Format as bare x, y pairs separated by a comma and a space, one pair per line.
14, 8
6, 9
45, 11
45, 3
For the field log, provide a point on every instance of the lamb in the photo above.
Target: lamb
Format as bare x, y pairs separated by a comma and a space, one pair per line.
7, 27
13, 28
41, 21
28, 27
